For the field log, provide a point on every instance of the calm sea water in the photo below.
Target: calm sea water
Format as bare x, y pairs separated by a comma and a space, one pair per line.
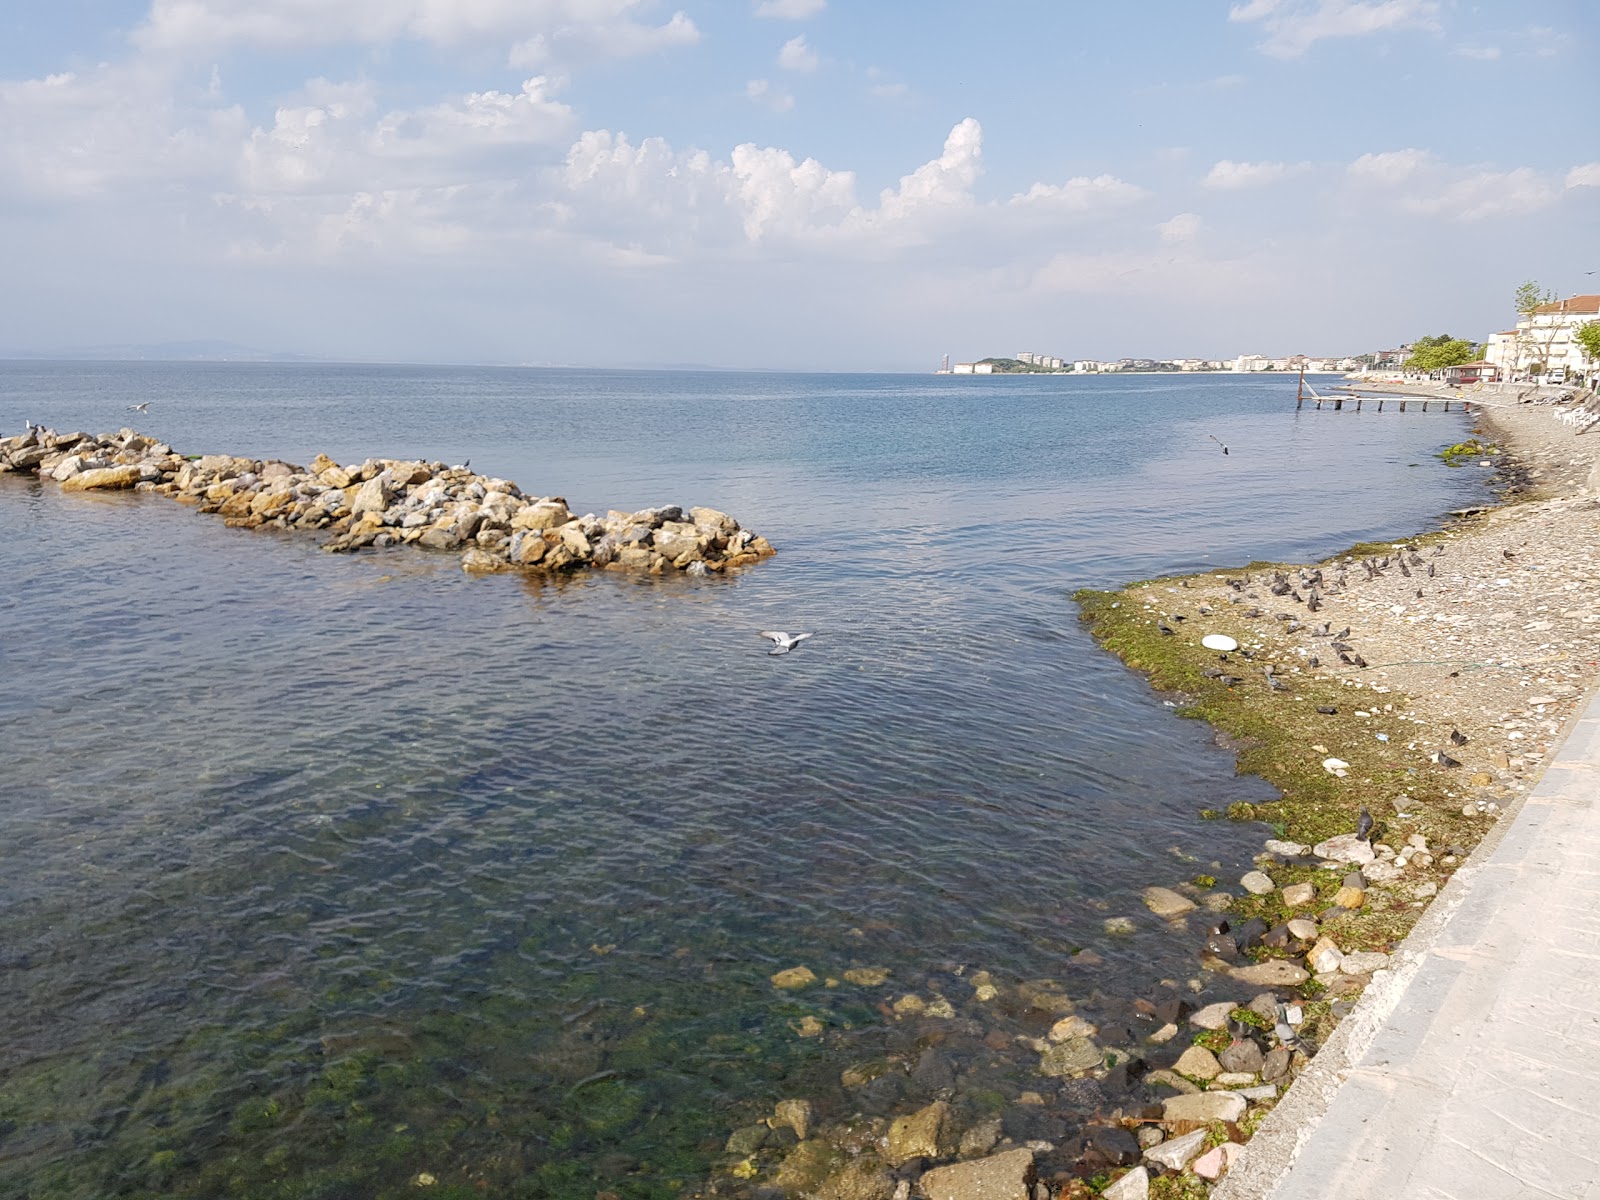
325, 872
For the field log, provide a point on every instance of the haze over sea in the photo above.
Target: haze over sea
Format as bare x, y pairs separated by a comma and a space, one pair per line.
326, 871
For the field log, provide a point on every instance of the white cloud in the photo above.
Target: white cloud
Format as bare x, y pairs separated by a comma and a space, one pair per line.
1588, 175
1481, 53
944, 183
535, 30
890, 91
761, 91
1392, 166
1294, 26
1182, 228
796, 55
1080, 194
1228, 175
1418, 183
790, 10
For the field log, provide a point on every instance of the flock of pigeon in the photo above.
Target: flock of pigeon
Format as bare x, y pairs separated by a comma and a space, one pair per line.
1308, 587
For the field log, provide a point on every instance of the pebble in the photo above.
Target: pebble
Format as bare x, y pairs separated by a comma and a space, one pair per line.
1118, 926
1234, 1079
1165, 1034
1325, 956
1257, 883
1265, 1091
794, 978
1285, 849
1172, 1080
1214, 1163
1350, 897
1302, 928
1207, 1106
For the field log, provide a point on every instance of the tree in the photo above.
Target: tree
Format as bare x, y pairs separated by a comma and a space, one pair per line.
1588, 337
1533, 339
1430, 354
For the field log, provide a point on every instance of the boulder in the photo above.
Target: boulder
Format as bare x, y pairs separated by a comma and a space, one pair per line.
1363, 962
1257, 883
676, 540
375, 495
917, 1135
478, 562
710, 518
1165, 902
1213, 1016
859, 1179
1204, 1107
103, 479
544, 514
67, 468
792, 1114
1008, 1176
1298, 895
867, 976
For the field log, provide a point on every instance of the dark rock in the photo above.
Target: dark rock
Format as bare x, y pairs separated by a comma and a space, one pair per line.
1276, 1065
1243, 1054
1171, 1010
1250, 933
1116, 1146
1355, 880
1264, 1005
933, 1072
1083, 1093
1117, 1034
1222, 947
1030, 1123
1277, 937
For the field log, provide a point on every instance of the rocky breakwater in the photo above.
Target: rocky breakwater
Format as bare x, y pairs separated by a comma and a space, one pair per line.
489, 522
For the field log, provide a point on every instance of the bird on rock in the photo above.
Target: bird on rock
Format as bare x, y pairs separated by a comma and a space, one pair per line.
782, 642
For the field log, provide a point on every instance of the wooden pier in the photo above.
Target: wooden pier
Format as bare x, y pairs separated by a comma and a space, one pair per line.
1306, 392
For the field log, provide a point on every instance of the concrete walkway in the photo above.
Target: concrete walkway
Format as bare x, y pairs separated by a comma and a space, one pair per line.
1471, 1071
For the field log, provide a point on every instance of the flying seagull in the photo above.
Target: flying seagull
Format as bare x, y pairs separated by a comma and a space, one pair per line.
782, 643
1218, 440
139, 407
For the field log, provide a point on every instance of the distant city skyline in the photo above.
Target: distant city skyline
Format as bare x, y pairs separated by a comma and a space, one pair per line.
790, 184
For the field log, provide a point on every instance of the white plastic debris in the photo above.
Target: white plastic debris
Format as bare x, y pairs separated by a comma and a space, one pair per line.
1219, 641
1336, 766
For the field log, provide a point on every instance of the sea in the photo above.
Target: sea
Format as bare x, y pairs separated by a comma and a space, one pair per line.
341, 876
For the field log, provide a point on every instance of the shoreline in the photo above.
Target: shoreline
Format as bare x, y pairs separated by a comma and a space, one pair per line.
1498, 648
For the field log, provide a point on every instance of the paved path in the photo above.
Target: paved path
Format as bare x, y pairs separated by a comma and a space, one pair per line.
1478, 1075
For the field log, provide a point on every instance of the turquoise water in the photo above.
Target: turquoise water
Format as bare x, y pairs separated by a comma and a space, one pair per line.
324, 872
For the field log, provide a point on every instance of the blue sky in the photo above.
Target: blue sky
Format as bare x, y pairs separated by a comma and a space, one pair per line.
790, 183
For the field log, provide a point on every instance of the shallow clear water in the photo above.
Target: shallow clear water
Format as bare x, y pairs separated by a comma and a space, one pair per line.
325, 871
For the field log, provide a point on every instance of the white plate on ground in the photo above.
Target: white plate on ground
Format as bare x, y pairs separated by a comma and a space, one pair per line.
1219, 641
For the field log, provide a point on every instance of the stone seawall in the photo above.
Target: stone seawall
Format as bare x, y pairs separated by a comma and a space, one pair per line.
490, 522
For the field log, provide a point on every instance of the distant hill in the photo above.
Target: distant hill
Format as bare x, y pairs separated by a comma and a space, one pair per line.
163, 352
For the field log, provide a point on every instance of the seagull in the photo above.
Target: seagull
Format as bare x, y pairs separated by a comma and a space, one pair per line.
145, 407
782, 643
1214, 438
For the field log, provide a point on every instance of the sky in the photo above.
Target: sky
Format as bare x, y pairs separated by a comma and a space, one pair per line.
790, 184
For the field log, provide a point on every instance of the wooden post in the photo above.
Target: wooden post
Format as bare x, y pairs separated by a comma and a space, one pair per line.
1358, 403
1338, 404
1300, 392
1402, 406
1424, 406
1380, 403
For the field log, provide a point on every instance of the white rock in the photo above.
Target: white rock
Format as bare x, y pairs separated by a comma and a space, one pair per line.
1135, 1185
1257, 883
1213, 1016
1346, 848
1363, 962
1287, 849
1176, 1153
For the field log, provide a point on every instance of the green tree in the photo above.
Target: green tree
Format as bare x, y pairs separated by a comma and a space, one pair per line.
1437, 353
1588, 336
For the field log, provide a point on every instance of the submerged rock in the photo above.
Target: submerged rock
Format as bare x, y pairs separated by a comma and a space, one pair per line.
1165, 902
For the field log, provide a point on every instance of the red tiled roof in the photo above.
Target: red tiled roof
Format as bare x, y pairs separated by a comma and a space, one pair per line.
1576, 304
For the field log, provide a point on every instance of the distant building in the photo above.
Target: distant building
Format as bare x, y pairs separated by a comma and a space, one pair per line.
1473, 372
1252, 362
1547, 339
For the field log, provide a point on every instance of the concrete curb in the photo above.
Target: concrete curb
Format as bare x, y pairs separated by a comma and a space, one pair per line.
1402, 1005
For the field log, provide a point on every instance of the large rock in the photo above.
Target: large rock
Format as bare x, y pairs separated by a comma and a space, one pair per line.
374, 495
1243, 1057
1257, 883
1204, 1107
1176, 1153
1363, 962
793, 978
710, 518
916, 1136
103, 479
1008, 1176
1165, 902
544, 514
1213, 1016
1275, 972
676, 539
1071, 1057
1346, 848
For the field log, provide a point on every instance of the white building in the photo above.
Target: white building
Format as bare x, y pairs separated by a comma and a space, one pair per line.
1548, 337
1252, 362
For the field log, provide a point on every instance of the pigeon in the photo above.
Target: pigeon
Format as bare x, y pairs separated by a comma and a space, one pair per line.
1443, 759
1315, 662
1229, 680
1507, 554
1327, 710
145, 407
1430, 570
782, 643
1166, 629
1458, 738
1364, 826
